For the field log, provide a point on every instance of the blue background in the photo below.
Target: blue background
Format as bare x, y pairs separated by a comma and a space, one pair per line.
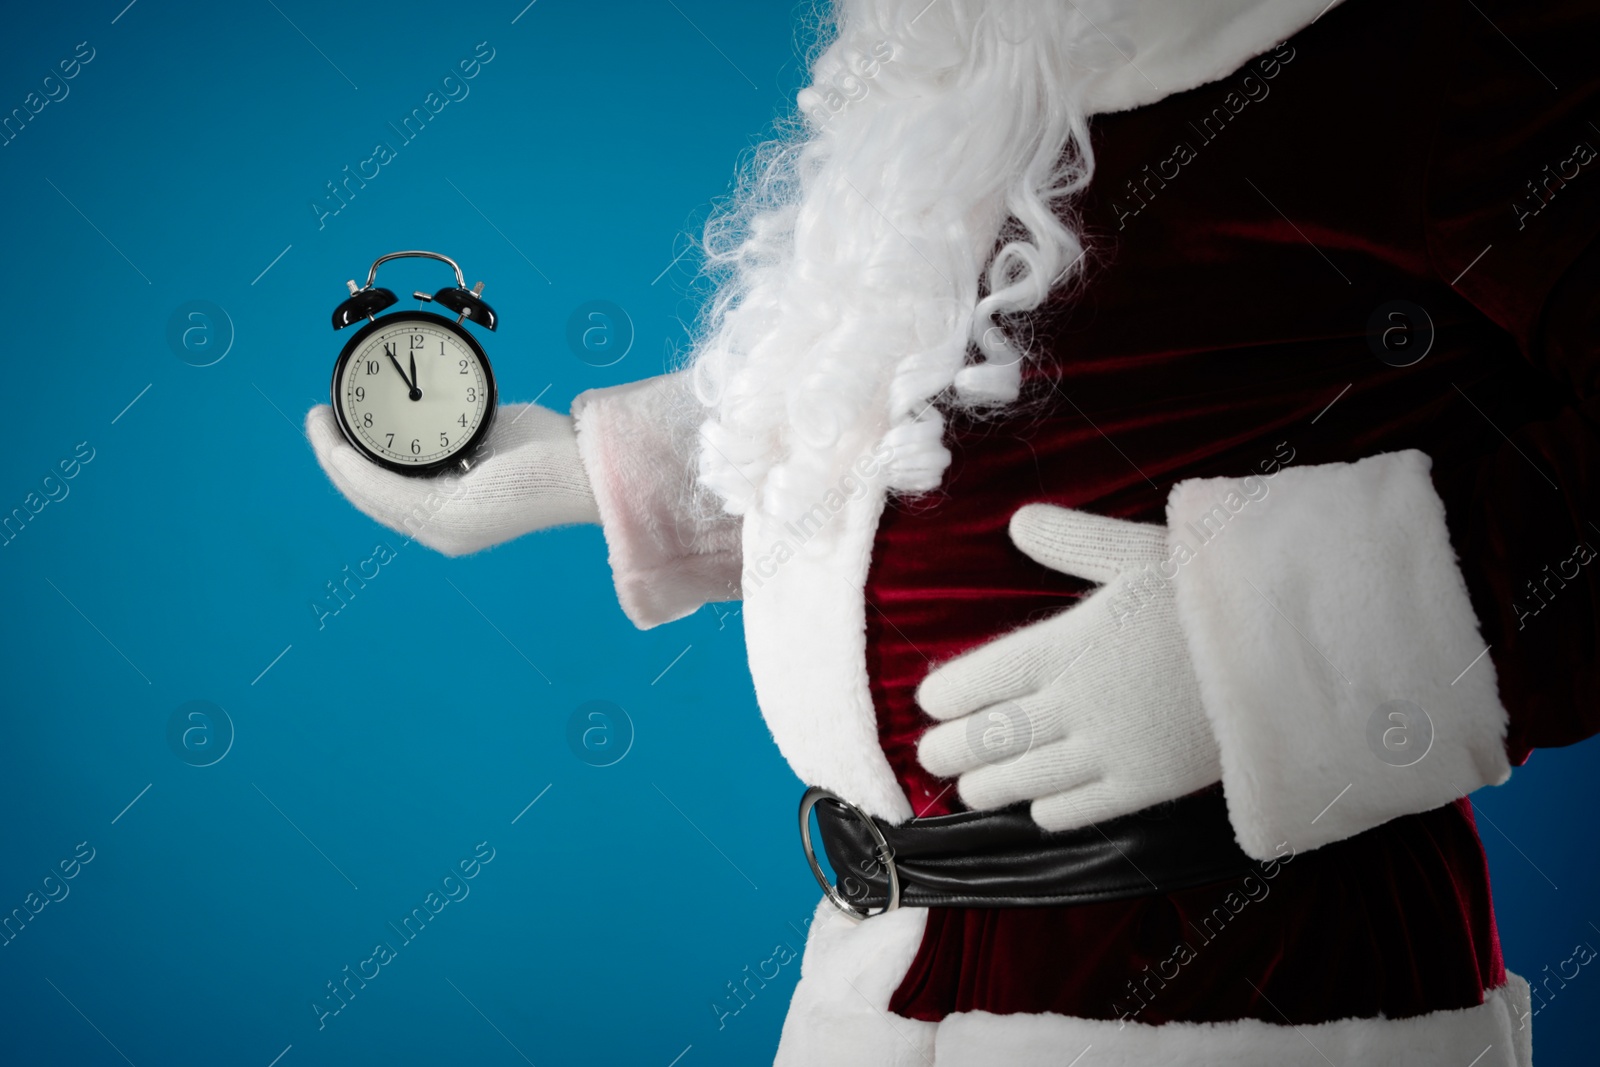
371, 754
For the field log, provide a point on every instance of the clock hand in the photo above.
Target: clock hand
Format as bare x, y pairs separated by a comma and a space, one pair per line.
416, 394
399, 370
416, 390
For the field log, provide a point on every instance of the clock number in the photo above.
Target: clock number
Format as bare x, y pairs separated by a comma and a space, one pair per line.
441, 347
388, 348
444, 440
463, 419
390, 442
366, 419
416, 341
472, 394
361, 394
416, 446
372, 366
463, 366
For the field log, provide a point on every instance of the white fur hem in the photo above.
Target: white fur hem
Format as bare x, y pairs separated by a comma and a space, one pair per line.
1336, 649
839, 1017
1493, 1034
670, 553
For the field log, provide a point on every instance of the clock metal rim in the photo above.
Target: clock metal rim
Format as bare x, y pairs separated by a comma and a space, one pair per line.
459, 460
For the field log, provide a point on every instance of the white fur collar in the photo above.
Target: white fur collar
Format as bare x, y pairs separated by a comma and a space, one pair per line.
1151, 49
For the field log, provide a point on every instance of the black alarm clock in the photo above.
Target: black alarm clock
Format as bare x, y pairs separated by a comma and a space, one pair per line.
413, 390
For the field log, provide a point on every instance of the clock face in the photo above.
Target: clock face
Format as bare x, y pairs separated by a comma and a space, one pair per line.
413, 392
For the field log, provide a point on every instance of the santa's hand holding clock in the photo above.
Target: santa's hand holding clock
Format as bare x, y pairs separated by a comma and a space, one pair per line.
528, 478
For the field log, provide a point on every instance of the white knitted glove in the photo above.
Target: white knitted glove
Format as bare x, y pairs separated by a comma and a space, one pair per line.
1091, 713
530, 479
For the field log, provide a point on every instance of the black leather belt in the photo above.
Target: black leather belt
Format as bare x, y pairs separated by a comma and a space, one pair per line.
1002, 858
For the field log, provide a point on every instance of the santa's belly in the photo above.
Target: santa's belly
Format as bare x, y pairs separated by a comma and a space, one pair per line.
1397, 921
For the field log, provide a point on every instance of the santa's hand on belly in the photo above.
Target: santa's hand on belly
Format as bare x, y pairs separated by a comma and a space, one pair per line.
529, 477
1091, 713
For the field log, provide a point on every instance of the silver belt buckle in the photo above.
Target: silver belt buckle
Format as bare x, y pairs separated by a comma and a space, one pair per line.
885, 854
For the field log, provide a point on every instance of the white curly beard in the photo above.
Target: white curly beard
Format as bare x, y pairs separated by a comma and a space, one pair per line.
869, 262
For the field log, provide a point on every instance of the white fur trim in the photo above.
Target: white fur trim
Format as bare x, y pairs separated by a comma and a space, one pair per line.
839, 1017
1315, 598
839, 1013
1493, 1034
669, 555
805, 635
1172, 46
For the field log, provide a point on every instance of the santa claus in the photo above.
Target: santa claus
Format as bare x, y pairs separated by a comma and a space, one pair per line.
1154, 443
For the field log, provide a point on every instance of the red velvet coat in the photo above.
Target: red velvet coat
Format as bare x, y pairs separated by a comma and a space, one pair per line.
1243, 237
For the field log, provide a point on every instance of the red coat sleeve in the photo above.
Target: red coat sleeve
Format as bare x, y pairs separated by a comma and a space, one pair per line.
1513, 214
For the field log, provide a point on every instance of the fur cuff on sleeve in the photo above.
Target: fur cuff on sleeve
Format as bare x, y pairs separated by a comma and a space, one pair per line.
1337, 652
669, 551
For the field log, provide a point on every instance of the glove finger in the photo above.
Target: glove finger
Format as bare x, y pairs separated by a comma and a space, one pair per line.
1090, 546
1043, 770
382, 495
1007, 667
322, 431
1092, 802
334, 454
994, 734
943, 749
